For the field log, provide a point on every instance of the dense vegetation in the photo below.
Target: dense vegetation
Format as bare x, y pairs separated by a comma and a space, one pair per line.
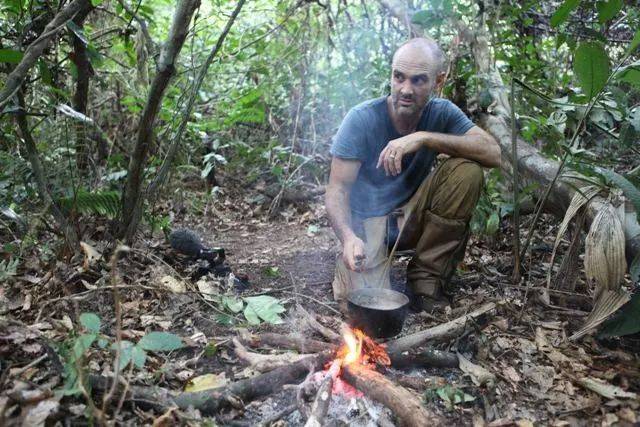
122, 117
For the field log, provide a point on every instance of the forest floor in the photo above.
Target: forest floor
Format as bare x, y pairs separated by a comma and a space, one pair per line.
535, 375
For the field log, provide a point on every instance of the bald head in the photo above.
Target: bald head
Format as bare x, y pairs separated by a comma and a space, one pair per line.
419, 55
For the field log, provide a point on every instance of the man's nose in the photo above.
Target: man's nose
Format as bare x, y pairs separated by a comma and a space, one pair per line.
406, 88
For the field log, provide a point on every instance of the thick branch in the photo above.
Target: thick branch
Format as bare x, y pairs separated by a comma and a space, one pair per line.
81, 95
166, 70
160, 178
441, 332
405, 405
213, 400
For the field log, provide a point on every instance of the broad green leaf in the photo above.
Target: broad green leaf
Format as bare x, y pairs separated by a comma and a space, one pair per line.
160, 341
563, 12
96, 3
630, 75
251, 315
635, 42
45, 73
626, 321
627, 187
82, 344
139, 356
10, 56
493, 223
266, 307
591, 66
608, 9
126, 352
233, 303
91, 322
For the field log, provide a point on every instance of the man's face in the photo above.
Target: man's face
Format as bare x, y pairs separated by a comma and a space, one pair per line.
413, 80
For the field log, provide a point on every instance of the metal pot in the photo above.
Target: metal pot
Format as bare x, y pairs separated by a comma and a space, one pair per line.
379, 313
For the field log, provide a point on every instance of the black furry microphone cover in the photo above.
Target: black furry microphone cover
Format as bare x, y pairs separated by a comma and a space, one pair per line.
186, 242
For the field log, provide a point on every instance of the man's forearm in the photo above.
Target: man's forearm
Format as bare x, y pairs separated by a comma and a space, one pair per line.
339, 212
486, 151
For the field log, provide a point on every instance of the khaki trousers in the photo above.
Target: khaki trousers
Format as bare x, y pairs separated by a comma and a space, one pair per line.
436, 220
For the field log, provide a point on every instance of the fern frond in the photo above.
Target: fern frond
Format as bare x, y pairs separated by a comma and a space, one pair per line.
106, 203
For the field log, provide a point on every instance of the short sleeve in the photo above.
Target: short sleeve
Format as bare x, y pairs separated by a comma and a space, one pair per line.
349, 142
456, 122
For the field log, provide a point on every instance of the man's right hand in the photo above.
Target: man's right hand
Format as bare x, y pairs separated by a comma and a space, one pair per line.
353, 253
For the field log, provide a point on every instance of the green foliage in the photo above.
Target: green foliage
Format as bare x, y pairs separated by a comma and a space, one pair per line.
263, 307
563, 12
160, 341
75, 350
627, 187
91, 322
450, 396
635, 42
105, 203
8, 269
10, 56
608, 9
591, 66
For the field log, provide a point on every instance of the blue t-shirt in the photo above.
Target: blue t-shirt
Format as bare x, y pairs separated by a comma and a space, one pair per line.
364, 133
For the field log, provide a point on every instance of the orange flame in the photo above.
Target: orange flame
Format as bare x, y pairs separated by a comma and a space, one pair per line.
359, 348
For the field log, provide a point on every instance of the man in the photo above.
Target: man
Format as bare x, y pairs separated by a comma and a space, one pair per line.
382, 159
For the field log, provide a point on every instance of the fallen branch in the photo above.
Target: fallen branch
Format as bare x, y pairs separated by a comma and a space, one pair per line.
213, 400
406, 406
265, 362
292, 342
317, 326
441, 332
320, 405
426, 358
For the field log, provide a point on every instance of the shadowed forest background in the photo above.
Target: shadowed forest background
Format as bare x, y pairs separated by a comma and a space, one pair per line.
124, 120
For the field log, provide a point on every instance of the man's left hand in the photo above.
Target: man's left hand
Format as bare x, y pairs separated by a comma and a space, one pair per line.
391, 157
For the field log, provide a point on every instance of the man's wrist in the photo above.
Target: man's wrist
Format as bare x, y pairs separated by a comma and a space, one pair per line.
424, 138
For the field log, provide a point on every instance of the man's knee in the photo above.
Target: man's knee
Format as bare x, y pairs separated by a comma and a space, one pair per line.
459, 188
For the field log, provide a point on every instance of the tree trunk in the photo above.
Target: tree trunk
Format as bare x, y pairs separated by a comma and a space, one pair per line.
131, 197
163, 172
35, 49
81, 95
70, 235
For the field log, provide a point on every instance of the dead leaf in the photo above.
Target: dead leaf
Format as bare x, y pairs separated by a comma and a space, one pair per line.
208, 289
540, 375
205, 382
36, 415
67, 323
174, 285
479, 375
512, 374
627, 414
91, 255
605, 389
165, 420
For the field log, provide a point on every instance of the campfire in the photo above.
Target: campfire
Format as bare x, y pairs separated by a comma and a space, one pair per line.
359, 349
351, 366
